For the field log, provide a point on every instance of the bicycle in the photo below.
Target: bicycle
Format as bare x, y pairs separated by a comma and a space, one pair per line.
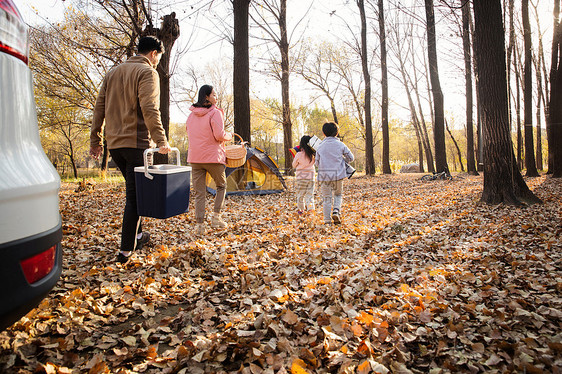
444, 175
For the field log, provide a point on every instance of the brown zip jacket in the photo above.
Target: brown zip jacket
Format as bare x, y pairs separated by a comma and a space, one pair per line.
129, 101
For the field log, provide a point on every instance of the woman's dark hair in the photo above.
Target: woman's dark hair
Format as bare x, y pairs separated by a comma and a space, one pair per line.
308, 151
202, 101
330, 129
148, 44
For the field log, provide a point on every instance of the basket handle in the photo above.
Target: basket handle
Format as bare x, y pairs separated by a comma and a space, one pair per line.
242, 142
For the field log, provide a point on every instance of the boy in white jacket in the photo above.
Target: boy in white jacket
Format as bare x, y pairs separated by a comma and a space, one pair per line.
331, 157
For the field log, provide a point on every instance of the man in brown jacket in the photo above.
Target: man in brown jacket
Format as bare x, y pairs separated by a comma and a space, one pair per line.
129, 101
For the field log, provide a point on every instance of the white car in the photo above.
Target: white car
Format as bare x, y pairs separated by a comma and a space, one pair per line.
30, 222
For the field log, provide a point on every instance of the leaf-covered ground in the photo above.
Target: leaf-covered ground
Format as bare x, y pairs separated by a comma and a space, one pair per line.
419, 278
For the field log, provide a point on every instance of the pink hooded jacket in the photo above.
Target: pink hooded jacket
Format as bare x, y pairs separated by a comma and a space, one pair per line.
205, 132
304, 166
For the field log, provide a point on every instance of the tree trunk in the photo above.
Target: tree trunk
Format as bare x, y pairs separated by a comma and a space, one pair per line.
370, 159
528, 95
540, 98
470, 161
241, 70
425, 136
479, 136
384, 83
287, 125
74, 167
420, 142
415, 122
168, 33
555, 105
333, 107
510, 53
456, 145
502, 181
554, 96
518, 113
439, 121
542, 91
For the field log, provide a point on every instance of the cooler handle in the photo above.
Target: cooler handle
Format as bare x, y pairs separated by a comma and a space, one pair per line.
150, 151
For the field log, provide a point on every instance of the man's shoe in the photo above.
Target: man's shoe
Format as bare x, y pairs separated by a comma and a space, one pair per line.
122, 259
336, 217
145, 238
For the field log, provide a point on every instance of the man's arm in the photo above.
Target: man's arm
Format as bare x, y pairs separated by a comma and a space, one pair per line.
97, 124
149, 99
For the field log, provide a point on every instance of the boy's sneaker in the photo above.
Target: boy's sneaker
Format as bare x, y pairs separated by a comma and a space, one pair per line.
336, 217
145, 238
217, 222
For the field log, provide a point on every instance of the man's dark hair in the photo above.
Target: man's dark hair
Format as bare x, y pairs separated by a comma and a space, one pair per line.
330, 129
148, 44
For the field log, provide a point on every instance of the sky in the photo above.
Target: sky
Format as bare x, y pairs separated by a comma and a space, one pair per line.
50, 9
322, 25
40, 11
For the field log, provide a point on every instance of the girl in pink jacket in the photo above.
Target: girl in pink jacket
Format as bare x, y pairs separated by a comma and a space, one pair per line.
206, 154
303, 163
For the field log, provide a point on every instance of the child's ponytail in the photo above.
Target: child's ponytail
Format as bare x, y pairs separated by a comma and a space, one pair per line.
308, 151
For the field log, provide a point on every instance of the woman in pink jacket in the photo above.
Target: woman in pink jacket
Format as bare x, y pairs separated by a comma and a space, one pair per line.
206, 154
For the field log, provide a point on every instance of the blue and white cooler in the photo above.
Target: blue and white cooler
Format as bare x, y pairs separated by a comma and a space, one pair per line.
162, 190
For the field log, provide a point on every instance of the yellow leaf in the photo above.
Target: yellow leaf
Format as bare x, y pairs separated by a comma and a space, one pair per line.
152, 353
298, 367
365, 348
357, 329
364, 368
365, 318
50, 368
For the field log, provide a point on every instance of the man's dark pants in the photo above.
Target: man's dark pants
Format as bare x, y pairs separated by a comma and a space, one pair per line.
127, 159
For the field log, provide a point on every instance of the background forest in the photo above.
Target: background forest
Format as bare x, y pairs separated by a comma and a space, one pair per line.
309, 61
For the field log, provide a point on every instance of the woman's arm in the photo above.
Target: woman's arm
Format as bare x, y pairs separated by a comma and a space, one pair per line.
217, 124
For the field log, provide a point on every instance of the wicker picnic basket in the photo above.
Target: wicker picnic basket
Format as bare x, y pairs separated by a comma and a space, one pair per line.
235, 153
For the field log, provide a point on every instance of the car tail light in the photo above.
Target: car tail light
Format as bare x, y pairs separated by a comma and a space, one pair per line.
13, 31
37, 267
